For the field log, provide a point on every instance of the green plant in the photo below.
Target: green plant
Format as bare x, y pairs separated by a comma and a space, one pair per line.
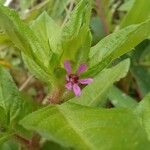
81, 121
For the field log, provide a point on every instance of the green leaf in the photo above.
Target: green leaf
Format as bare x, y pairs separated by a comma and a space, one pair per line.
9, 145
120, 99
4, 38
96, 29
56, 7
140, 67
5, 136
138, 13
144, 113
26, 4
49, 145
3, 118
115, 45
145, 56
126, 6
13, 105
82, 127
48, 32
51, 41
76, 32
36, 11
25, 39
10, 99
142, 77
36, 70
93, 94
19, 33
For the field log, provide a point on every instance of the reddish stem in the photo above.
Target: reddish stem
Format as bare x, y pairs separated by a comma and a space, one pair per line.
33, 144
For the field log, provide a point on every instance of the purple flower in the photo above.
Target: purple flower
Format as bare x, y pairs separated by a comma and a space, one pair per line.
73, 79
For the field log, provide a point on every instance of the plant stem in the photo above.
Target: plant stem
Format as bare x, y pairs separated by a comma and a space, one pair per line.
25, 83
22, 140
55, 96
33, 144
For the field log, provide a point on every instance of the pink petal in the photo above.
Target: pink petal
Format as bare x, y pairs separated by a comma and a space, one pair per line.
77, 90
69, 86
67, 66
86, 81
82, 68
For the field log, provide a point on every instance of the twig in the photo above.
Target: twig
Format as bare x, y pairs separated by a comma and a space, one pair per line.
35, 142
25, 83
68, 12
102, 16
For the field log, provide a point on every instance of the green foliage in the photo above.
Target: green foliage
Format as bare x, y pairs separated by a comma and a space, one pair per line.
54, 31
82, 127
115, 45
144, 113
140, 67
13, 106
11, 101
9, 145
137, 14
76, 37
120, 99
24, 38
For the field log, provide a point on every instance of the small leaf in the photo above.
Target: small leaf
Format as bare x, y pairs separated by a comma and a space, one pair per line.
120, 99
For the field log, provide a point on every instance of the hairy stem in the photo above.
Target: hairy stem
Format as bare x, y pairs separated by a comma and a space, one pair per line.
55, 96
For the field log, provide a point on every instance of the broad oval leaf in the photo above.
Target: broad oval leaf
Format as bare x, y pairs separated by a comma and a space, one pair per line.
88, 128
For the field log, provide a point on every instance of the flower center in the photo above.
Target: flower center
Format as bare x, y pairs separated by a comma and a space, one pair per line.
73, 78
